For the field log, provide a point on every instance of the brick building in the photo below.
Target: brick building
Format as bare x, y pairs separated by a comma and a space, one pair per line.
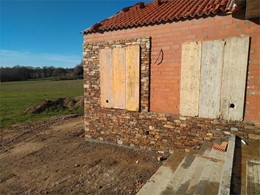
173, 73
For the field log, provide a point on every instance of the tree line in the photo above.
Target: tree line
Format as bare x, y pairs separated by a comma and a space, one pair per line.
22, 73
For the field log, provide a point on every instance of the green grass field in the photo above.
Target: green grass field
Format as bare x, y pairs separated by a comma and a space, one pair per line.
15, 97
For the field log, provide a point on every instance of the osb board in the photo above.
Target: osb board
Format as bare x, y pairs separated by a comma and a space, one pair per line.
119, 72
234, 78
210, 78
190, 78
106, 77
132, 77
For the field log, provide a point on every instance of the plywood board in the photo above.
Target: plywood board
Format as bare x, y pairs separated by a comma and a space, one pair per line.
190, 79
210, 78
132, 77
234, 77
106, 84
119, 85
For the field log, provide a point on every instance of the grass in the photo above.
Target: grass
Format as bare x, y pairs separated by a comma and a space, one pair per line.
15, 97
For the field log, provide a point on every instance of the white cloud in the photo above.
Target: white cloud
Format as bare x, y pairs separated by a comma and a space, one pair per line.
27, 58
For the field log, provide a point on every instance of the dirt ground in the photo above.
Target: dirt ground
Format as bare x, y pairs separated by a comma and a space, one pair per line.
52, 157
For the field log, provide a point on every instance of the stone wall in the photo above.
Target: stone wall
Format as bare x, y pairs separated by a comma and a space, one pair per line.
144, 129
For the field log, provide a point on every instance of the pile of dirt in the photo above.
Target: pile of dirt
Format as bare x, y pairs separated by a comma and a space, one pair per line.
61, 103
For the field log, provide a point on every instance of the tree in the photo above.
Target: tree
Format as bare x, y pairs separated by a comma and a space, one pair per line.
59, 72
78, 70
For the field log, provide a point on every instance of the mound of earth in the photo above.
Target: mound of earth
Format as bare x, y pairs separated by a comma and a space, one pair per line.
61, 103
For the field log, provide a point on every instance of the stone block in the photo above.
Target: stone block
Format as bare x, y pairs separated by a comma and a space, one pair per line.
183, 118
234, 129
151, 127
226, 132
169, 126
177, 121
183, 125
120, 142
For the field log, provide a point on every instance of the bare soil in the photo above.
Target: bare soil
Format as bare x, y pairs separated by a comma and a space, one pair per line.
52, 157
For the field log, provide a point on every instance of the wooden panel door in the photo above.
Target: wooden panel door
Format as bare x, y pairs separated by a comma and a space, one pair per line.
210, 78
190, 79
106, 78
234, 78
119, 72
132, 77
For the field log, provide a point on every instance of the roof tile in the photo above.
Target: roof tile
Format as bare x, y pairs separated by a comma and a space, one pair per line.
166, 11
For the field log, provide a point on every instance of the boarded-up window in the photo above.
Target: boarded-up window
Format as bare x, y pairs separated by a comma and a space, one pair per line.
119, 77
221, 75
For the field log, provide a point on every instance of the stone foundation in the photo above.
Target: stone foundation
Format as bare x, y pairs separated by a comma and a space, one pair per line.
159, 132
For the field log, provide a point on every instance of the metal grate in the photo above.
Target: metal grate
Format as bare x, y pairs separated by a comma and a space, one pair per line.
253, 177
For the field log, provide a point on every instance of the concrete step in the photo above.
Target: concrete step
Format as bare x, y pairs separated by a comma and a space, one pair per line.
198, 173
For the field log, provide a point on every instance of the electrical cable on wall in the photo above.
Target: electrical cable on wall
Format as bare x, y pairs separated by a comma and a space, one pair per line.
160, 54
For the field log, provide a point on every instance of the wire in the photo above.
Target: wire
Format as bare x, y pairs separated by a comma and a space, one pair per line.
160, 54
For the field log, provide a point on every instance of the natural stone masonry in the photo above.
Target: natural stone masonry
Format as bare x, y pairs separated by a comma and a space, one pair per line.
144, 129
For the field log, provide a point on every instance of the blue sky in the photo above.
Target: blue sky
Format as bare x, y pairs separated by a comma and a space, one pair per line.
47, 33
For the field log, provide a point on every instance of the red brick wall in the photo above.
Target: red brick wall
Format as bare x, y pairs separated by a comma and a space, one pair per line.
165, 78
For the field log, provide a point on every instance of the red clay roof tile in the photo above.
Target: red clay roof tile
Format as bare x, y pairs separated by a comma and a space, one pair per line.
155, 13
